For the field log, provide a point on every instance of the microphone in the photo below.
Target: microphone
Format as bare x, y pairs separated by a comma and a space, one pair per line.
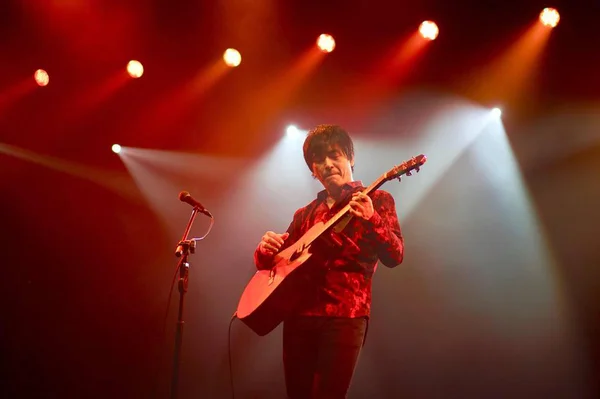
186, 197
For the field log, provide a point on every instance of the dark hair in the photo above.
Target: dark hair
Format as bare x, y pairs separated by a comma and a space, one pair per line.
321, 137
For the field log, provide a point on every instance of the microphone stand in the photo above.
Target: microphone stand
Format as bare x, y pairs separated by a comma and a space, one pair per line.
184, 248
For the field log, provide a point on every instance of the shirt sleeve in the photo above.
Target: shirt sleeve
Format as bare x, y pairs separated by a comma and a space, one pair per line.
386, 230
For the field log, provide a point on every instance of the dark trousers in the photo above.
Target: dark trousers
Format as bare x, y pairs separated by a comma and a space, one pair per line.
320, 355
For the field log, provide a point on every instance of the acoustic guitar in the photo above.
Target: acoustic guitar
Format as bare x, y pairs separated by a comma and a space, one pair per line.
272, 294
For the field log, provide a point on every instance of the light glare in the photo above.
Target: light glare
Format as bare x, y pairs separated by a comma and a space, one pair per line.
116, 148
429, 30
326, 43
135, 69
292, 131
497, 112
41, 77
549, 17
232, 57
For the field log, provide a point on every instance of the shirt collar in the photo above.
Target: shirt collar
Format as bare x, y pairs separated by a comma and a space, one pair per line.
322, 195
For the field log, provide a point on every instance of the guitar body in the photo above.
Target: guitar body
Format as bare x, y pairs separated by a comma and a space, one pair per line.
273, 294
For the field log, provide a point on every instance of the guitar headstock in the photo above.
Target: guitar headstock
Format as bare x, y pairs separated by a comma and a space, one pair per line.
406, 167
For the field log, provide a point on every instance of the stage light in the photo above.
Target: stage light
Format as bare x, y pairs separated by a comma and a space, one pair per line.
116, 148
549, 17
292, 131
41, 77
326, 43
496, 112
232, 57
135, 69
429, 30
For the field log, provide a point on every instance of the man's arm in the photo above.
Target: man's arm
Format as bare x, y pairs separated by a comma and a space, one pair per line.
386, 230
264, 261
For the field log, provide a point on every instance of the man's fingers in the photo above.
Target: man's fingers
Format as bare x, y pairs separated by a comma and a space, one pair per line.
276, 241
356, 205
271, 242
274, 237
355, 212
269, 249
363, 198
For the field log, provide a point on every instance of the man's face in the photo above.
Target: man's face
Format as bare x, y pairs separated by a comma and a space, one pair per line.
333, 168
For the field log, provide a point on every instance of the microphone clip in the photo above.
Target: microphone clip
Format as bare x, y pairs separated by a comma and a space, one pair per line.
185, 247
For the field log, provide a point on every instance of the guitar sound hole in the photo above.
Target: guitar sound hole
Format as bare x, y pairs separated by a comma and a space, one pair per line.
297, 253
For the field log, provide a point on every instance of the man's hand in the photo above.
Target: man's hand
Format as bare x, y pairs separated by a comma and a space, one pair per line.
361, 206
271, 242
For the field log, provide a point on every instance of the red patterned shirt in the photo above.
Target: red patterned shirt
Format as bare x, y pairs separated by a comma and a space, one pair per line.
345, 287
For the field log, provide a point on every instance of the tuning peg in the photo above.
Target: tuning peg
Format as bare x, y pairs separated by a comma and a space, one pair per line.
399, 178
409, 173
417, 169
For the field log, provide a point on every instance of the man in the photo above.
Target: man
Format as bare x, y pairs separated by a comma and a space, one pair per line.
323, 340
